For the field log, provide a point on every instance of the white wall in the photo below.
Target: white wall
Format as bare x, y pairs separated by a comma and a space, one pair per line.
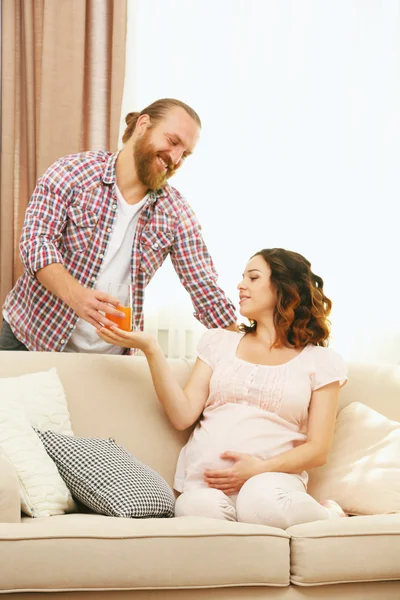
300, 145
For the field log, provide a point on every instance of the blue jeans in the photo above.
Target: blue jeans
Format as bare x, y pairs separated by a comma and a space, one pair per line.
8, 341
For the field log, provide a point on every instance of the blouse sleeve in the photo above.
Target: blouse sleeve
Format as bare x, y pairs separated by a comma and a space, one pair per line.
329, 366
208, 348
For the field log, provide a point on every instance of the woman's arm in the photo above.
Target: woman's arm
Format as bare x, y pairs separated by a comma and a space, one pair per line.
321, 425
183, 407
312, 453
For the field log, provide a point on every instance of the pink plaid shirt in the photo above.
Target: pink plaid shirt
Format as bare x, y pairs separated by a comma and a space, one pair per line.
69, 220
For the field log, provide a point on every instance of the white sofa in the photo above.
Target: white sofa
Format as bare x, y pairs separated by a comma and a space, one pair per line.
90, 556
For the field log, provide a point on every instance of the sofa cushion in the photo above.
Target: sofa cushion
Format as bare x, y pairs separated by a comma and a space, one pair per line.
92, 552
363, 469
42, 397
346, 550
43, 492
34, 399
107, 478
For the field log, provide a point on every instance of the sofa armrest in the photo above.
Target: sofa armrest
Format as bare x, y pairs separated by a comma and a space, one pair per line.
10, 499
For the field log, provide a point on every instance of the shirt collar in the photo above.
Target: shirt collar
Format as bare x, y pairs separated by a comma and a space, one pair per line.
109, 170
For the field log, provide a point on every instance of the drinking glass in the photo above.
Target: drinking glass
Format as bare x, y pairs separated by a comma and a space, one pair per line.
123, 292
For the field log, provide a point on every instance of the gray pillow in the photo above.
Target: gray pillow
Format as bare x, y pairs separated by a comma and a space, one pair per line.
107, 478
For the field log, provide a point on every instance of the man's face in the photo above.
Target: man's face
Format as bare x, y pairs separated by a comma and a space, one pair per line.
163, 147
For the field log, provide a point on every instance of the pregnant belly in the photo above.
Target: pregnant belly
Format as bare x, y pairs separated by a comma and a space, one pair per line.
239, 429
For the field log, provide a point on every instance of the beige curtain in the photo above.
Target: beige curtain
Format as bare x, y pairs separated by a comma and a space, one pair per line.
62, 75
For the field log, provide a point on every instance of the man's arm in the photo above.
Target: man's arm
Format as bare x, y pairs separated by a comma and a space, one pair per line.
45, 220
195, 268
84, 301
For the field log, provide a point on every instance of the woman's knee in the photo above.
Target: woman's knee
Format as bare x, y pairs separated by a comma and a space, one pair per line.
262, 501
279, 500
205, 502
261, 509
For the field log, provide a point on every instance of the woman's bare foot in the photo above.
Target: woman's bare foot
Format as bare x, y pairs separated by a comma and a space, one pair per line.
334, 507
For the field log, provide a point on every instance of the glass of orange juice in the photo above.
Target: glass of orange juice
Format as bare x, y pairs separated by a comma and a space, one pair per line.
123, 292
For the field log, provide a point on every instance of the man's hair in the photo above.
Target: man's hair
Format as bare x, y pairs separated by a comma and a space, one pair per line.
302, 310
156, 112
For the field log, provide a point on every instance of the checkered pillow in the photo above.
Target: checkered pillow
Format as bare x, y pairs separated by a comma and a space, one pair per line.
107, 478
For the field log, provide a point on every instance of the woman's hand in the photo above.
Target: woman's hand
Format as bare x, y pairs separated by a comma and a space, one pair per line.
230, 480
128, 339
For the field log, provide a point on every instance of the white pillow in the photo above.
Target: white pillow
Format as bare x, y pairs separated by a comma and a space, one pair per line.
38, 400
43, 398
363, 469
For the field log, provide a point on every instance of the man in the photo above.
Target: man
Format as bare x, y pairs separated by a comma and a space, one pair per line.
97, 218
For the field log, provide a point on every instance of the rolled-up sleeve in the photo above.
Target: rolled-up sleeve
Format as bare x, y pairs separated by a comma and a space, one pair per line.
45, 220
194, 266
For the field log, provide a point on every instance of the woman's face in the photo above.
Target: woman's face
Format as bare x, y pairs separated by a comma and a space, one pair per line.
257, 296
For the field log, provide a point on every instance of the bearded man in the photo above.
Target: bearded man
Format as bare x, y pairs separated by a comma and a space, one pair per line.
97, 218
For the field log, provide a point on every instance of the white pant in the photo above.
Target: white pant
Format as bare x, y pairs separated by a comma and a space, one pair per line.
274, 499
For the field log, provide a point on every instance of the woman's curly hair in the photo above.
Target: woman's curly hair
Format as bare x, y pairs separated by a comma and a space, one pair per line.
302, 309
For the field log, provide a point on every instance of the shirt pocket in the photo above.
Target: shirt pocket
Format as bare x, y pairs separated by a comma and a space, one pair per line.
80, 228
155, 245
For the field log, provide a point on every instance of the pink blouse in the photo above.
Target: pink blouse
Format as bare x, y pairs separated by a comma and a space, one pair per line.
258, 409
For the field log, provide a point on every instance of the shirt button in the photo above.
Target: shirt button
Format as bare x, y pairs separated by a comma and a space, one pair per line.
93, 278
63, 341
71, 326
155, 246
108, 229
114, 206
101, 255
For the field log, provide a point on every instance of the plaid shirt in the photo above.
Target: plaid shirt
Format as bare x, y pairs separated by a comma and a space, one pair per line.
69, 220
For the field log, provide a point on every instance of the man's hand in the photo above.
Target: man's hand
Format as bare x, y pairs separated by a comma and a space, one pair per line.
88, 303
230, 480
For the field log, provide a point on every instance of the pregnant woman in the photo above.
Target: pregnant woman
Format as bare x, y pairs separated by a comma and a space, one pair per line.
266, 397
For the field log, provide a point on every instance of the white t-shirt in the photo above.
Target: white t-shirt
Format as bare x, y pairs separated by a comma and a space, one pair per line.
115, 269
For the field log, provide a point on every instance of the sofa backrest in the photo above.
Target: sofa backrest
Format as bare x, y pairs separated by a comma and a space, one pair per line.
376, 385
113, 396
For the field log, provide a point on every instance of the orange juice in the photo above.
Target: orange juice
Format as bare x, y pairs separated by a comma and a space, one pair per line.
122, 322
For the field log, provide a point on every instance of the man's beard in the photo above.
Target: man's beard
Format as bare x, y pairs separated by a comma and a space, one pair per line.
149, 172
